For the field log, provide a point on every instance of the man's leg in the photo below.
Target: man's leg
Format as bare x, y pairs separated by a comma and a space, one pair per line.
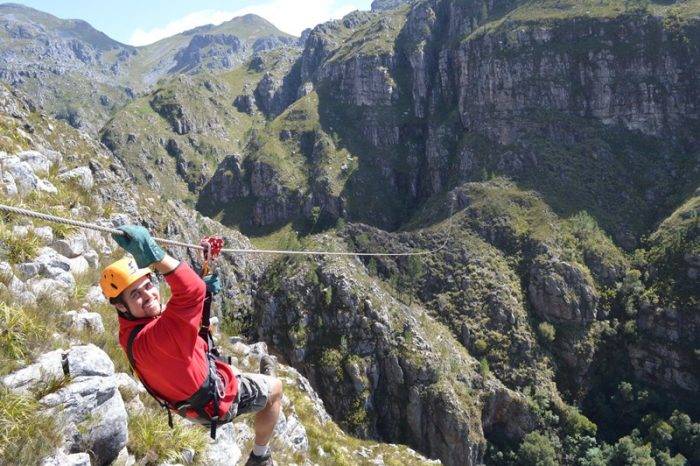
266, 419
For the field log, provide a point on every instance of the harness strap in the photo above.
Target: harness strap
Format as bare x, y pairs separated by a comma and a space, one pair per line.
210, 390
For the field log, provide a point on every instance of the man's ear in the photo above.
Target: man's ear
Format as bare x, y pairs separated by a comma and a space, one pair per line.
121, 307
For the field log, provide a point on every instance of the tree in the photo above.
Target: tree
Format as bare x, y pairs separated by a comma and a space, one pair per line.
537, 450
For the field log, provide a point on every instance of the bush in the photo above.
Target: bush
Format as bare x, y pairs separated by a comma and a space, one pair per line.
18, 250
547, 331
481, 346
537, 450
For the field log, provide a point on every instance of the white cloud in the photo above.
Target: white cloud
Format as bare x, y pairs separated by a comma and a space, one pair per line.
291, 17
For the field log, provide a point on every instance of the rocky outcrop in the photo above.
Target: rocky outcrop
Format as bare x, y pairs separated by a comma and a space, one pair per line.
376, 362
664, 354
90, 407
213, 52
561, 292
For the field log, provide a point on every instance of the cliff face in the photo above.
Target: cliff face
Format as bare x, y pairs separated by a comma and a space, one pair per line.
434, 93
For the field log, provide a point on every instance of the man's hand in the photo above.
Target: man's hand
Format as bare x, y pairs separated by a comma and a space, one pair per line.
139, 243
213, 283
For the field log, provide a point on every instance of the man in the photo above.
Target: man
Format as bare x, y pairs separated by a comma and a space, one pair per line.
169, 355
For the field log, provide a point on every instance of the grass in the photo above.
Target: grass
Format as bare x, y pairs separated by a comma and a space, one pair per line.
17, 250
22, 332
552, 11
26, 435
151, 438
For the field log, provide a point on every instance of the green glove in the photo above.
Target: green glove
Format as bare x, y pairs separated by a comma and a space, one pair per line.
140, 244
213, 283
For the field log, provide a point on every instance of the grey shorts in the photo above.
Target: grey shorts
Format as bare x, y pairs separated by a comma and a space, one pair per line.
253, 393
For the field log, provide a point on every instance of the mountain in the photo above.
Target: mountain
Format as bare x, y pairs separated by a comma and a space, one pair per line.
542, 155
82, 76
65, 65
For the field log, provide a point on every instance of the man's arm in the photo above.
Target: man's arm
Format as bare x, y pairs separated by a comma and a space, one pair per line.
167, 265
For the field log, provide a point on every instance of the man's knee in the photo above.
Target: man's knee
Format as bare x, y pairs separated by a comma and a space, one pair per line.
276, 392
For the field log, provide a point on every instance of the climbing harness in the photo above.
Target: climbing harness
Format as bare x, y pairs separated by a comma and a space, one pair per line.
212, 388
114, 231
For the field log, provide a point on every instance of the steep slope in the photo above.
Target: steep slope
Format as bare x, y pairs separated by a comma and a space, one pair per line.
65, 396
207, 48
593, 106
188, 124
82, 76
65, 65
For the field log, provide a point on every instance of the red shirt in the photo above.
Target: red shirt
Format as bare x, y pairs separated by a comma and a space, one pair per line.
169, 354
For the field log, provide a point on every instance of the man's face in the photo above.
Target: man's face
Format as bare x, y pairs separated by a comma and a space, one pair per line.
143, 298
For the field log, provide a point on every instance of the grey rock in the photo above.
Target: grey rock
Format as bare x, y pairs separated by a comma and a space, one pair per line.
79, 265
92, 258
95, 296
226, 449
291, 432
81, 321
22, 173
46, 186
8, 185
72, 246
81, 175
63, 459
28, 270
47, 368
39, 162
45, 233
92, 416
89, 360
561, 292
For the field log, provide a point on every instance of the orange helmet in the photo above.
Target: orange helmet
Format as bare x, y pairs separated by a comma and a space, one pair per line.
117, 276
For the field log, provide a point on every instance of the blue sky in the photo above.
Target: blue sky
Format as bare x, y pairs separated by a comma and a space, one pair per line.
142, 22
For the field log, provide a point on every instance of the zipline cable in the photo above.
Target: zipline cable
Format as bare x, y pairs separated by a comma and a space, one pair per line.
114, 231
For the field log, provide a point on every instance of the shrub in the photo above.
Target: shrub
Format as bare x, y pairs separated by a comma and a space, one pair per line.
18, 250
484, 369
481, 346
537, 450
547, 331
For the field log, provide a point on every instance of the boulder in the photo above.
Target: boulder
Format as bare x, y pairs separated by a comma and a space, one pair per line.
226, 449
561, 291
39, 162
92, 416
63, 459
6, 273
72, 246
7, 185
89, 360
46, 186
53, 156
92, 258
79, 265
91, 409
22, 173
27, 270
48, 367
81, 175
95, 296
291, 432
45, 233
81, 321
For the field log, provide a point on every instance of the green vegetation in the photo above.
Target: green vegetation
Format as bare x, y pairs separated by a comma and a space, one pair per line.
150, 437
26, 435
23, 330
